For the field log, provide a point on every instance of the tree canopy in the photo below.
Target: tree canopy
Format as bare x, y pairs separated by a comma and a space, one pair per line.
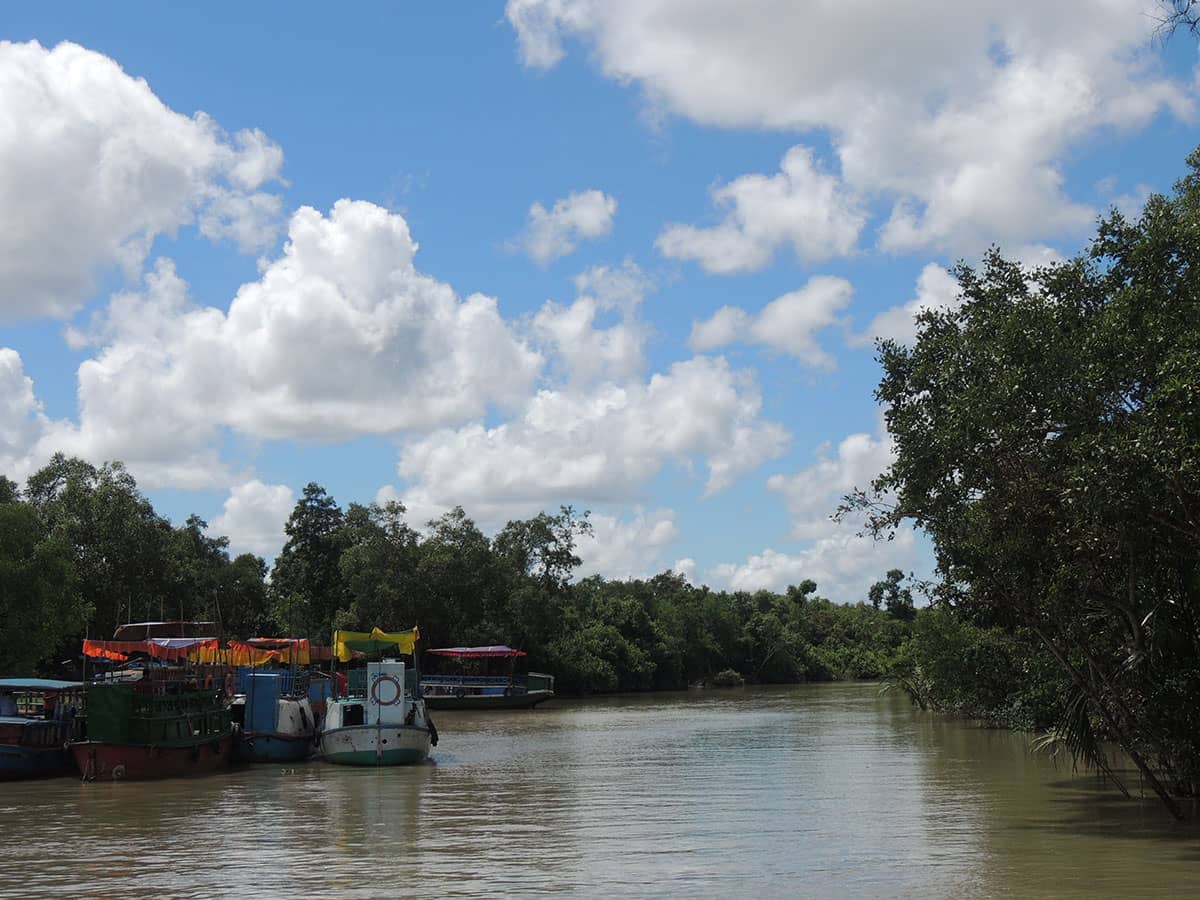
1048, 439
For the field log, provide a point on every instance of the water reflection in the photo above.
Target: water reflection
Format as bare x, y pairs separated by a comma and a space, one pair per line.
824, 790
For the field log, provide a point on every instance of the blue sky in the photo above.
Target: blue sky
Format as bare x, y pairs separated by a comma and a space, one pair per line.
629, 256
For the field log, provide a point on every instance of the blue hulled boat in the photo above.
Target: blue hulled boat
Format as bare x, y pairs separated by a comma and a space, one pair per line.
36, 721
276, 716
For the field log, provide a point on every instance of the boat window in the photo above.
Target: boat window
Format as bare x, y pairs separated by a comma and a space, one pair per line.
352, 715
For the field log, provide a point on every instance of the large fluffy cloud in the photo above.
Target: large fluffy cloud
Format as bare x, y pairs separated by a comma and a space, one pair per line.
801, 206
93, 166
960, 113
586, 350
602, 444
254, 516
627, 548
788, 324
340, 336
22, 423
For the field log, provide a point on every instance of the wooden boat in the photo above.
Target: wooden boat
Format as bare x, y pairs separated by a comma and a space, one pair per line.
37, 716
481, 690
382, 720
154, 722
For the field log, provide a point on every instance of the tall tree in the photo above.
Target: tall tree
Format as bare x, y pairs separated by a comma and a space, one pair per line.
306, 582
379, 566
40, 602
1048, 439
121, 545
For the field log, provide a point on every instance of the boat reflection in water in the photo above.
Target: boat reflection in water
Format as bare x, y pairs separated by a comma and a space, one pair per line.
479, 689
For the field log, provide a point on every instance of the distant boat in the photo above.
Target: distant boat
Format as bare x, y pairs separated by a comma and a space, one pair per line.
382, 719
36, 719
159, 721
481, 690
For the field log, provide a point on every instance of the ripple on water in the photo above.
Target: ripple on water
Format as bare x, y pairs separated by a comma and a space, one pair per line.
827, 790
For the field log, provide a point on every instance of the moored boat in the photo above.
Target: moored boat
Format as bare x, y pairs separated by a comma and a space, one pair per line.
382, 720
36, 719
481, 689
154, 722
275, 715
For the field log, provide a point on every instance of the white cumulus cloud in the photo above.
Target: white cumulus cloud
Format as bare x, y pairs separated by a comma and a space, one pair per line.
801, 206
93, 167
341, 336
936, 289
554, 232
788, 324
601, 444
958, 115
627, 547
254, 516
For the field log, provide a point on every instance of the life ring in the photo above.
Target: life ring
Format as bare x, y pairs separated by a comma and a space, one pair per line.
460, 692
396, 700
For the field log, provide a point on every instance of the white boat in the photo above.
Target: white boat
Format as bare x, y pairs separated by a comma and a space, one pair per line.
384, 724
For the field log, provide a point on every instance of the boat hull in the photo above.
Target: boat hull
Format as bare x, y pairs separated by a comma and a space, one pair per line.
274, 747
489, 701
102, 761
376, 745
32, 762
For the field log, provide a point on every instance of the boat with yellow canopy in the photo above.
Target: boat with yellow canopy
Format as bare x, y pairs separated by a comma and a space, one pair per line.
381, 720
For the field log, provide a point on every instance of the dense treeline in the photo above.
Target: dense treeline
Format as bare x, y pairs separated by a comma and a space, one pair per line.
82, 550
1048, 438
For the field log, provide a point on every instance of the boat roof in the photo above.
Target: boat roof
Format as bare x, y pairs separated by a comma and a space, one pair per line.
37, 684
477, 652
275, 642
141, 631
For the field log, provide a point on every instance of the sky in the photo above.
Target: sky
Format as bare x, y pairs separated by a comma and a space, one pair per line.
626, 255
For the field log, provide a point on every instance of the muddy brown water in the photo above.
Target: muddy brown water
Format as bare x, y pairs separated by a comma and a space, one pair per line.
809, 791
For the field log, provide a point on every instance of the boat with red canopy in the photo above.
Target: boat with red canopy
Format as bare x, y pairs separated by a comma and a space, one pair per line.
156, 717
477, 684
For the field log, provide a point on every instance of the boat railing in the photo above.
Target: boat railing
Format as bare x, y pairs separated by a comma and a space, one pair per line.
356, 682
479, 680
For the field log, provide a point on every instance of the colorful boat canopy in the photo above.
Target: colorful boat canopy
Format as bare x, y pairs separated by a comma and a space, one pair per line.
477, 652
158, 648
346, 642
37, 684
255, 652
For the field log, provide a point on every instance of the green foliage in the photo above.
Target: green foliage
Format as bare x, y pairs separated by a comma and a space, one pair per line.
306, 582
39, 591
366, 566
1048, 439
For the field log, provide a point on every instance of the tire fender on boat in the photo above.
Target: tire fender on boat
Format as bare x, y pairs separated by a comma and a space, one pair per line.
399, 698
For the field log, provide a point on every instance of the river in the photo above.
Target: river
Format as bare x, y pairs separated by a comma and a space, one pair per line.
810, 791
